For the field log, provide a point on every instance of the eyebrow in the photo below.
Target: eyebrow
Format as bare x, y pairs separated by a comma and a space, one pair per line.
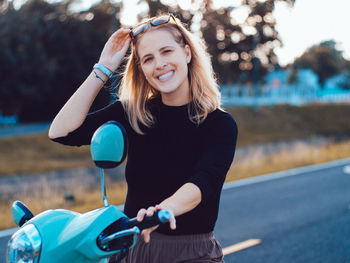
162, 48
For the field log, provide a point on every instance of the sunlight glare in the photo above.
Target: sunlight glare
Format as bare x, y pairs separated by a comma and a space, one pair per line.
240, 14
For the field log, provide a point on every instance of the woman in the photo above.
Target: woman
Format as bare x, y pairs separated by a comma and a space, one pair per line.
181, 143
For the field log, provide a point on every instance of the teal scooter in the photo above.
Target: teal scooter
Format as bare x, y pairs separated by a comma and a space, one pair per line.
62, 236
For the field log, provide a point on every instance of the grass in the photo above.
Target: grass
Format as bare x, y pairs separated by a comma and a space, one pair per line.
47, 197
301, 154
284, 122
36, 153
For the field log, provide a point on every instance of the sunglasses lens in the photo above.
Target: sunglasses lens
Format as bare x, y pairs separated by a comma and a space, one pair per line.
139, 30
160, 20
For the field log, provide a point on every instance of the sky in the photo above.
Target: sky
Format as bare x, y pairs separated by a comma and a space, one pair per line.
307, 23
310, 22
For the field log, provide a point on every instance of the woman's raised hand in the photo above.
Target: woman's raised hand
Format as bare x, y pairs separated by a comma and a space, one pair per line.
115, 49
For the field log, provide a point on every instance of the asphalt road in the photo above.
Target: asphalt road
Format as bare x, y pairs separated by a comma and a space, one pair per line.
300, 215
301, 218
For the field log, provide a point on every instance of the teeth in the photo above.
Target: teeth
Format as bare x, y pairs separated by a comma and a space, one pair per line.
166, 75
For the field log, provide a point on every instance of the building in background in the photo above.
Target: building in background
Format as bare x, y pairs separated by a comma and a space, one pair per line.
277, 89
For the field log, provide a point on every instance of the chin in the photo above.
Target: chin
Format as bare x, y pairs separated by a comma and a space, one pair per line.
168, 89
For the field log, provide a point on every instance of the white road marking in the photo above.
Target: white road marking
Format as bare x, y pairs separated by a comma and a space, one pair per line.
346, 169
240, 246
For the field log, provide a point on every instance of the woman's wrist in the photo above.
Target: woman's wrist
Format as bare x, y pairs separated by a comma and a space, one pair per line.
94, 83
168, 205
105, 70
99, 75
107, 65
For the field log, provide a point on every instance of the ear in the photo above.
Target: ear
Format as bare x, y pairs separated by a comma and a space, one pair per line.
188, 53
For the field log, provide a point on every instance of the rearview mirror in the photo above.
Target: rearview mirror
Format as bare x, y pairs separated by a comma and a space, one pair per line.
109, 145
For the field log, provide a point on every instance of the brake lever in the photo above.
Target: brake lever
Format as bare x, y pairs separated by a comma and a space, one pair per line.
127, 232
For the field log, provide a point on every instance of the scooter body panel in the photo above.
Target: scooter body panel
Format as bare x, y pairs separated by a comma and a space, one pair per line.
61, 230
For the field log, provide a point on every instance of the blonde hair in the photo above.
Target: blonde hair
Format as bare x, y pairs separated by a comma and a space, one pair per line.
134, 91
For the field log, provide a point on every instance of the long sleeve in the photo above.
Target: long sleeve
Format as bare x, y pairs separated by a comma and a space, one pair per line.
177, 151
216, 158
83, 135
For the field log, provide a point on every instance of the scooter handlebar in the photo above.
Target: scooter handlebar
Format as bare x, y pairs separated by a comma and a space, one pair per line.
123, 231
160, 216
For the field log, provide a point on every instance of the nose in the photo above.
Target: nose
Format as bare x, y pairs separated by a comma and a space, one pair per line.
160, 62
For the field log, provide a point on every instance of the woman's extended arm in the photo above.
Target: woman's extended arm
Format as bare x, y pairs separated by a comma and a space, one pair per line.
74, 112
185, 199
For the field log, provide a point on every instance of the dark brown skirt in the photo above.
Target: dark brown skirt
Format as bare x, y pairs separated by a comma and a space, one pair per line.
199, 248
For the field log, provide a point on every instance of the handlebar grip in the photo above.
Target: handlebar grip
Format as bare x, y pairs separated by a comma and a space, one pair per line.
160, 216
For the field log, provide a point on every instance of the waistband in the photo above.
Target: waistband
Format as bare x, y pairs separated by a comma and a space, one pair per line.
189, 238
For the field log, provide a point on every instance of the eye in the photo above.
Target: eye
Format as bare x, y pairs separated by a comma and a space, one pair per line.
147, 60
167, 51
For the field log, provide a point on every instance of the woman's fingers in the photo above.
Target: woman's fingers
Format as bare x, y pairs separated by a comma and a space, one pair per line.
172, 220
121, 32
141, 214
151, 210
146, 233
126, 45
172, 223
118, 43
120, 38
115, 49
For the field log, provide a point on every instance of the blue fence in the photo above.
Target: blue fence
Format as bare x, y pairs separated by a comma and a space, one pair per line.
269, 95
8, 120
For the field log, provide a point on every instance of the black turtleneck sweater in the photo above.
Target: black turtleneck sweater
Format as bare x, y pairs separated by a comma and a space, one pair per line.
173, 152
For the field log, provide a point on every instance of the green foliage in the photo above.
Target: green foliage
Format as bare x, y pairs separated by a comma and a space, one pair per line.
244, 50
324, 59
46, 50
45, 54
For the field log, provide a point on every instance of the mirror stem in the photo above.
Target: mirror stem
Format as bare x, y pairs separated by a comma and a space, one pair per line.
103, 188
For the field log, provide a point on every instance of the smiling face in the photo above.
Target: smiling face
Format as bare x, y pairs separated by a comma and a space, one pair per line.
163, 62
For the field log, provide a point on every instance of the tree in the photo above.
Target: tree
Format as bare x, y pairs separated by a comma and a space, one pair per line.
237, 48
244, 49
156, 7
324, 59
46, 52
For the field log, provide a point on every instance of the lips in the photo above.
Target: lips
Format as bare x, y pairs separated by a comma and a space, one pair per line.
166, 76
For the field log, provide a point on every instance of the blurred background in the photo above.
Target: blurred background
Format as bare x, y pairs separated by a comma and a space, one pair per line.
284, 73
264, 52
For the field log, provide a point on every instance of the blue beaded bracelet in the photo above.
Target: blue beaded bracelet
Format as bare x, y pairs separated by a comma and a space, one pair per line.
104, 70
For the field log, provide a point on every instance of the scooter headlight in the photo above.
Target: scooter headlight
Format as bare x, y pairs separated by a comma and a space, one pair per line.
24, 246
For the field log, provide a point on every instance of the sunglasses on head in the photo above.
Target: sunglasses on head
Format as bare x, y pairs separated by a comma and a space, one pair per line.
156, 21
